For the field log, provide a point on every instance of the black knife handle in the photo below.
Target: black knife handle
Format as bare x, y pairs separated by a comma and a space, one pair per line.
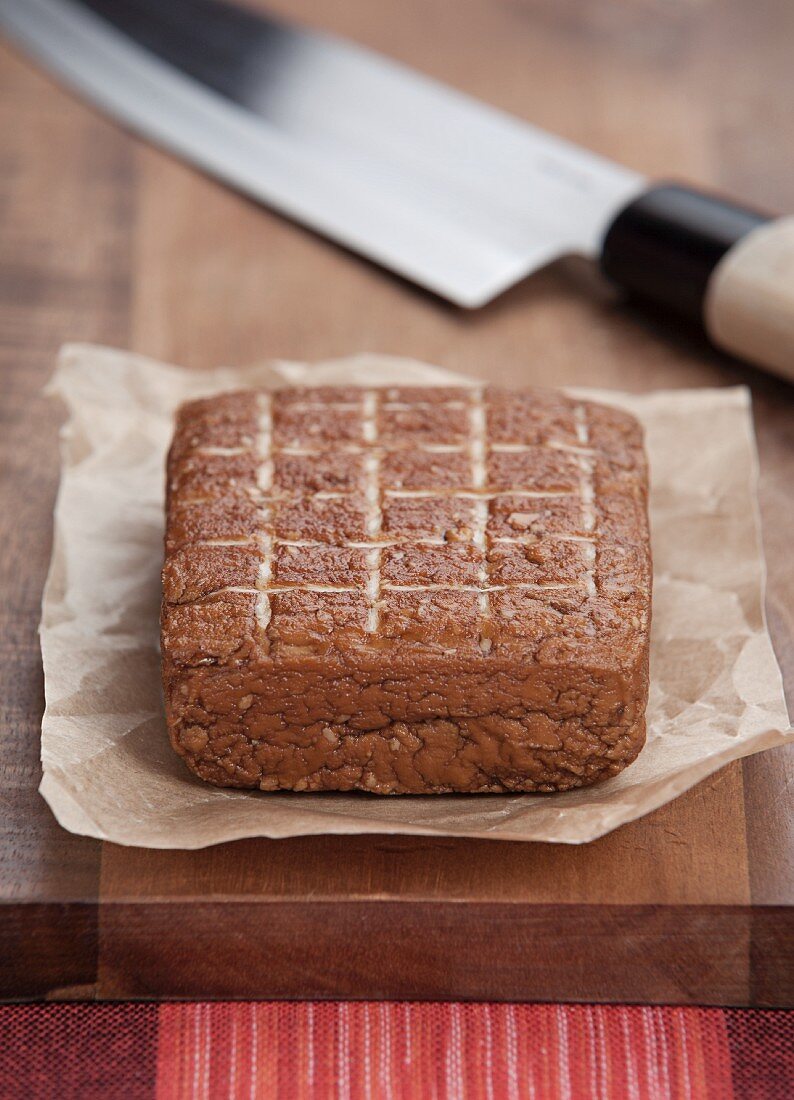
727, 267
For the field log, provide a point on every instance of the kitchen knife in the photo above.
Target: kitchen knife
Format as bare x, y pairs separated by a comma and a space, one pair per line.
452, 194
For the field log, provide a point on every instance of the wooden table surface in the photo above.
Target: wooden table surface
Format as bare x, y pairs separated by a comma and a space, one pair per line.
106, 239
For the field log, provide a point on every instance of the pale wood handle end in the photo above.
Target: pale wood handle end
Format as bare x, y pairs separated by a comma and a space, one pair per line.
748, 308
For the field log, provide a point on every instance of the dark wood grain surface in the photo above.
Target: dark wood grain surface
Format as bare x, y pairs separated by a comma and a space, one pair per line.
106, 239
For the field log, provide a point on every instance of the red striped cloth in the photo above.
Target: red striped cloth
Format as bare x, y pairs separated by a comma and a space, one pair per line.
351, 1051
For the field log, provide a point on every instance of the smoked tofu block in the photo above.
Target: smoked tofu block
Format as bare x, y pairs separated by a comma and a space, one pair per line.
406, 590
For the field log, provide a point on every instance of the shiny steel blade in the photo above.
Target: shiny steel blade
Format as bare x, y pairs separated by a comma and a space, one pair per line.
452, 194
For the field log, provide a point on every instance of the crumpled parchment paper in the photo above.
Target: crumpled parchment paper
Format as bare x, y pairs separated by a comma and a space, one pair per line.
109, 771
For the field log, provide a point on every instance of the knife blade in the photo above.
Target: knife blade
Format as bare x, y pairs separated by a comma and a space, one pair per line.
450, 193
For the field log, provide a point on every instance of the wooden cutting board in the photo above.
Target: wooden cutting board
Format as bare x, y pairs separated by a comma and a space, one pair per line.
106, 239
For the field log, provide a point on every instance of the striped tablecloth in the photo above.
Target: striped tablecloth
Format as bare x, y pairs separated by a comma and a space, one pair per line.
392, 1050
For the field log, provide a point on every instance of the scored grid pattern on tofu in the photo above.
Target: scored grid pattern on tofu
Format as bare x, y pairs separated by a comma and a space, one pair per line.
410, 461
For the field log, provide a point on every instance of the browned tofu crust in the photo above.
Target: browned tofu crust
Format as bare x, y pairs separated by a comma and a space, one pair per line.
406, 590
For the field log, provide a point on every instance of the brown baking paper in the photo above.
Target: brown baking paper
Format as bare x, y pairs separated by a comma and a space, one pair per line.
109, 771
